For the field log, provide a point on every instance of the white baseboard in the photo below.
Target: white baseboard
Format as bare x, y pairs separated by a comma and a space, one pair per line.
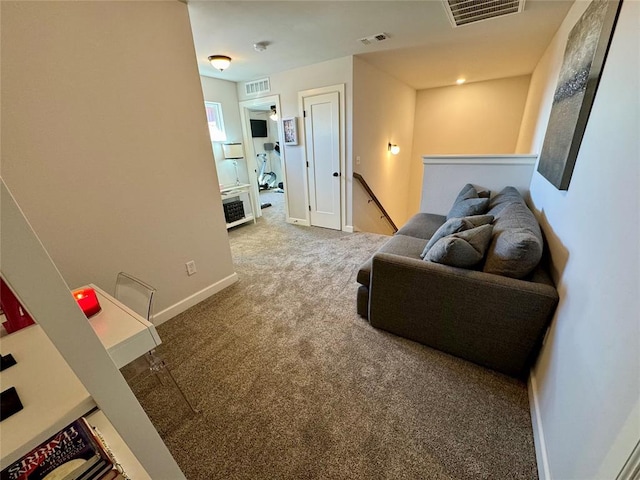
348, 228
299, 221
538, 433
179, 307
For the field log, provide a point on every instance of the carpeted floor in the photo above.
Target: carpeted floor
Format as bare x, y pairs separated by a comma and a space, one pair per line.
292, 384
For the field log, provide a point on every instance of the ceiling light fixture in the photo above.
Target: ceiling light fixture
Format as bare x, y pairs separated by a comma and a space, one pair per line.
220, 61
274, 113
460, 81
393, 148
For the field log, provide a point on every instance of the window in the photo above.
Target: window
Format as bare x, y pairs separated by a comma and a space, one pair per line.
214, 119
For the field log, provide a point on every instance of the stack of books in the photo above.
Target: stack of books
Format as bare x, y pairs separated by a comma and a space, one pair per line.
77, 452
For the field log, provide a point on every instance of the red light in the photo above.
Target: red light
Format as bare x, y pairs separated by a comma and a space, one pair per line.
88, 301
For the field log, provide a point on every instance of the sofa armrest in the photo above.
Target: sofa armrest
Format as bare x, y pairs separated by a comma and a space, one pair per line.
491, 320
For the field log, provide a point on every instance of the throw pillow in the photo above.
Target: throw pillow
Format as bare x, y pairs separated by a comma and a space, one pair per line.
468, 191
463, 249
469, 206
455, 225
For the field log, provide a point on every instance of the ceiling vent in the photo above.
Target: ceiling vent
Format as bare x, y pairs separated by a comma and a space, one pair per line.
378, 37
257, 87
464, 12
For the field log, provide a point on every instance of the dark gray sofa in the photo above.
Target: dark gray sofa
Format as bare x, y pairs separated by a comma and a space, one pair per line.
482, 314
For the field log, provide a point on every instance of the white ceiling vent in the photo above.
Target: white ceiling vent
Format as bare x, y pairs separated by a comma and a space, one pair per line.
257, 87
464, 12
378, 37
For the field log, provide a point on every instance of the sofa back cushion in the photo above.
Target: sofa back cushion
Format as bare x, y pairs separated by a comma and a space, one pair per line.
517, 244
422, 225
468, 203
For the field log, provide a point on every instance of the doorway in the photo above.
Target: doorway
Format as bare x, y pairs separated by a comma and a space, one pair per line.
323, 111
265, 155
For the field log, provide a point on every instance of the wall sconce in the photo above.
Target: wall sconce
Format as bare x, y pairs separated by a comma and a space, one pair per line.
393, 148
274, 113
220, 61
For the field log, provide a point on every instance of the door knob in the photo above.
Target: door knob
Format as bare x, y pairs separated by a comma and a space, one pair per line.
336, 174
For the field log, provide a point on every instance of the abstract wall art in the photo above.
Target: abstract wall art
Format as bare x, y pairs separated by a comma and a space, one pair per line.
584, 58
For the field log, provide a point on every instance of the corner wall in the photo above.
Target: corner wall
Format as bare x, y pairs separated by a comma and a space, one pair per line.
106, 148
469, 119
383, 112
586, 383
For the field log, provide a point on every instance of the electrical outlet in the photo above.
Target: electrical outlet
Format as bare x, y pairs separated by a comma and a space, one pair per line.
191, 267
358, 160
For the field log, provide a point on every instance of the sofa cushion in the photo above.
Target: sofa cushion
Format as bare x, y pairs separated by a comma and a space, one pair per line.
507, 196
516, 246
463, 249
399, 245
422, 225
455, 225
468, 203
469, 206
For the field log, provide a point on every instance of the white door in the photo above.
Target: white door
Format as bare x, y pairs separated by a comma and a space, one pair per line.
322, 135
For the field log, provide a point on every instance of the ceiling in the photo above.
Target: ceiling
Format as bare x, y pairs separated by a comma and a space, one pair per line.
423, 49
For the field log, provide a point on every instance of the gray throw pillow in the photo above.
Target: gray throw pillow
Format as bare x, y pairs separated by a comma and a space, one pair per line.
455, 225
463, 249
469, 206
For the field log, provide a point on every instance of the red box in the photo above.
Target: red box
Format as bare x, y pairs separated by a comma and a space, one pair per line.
88, 301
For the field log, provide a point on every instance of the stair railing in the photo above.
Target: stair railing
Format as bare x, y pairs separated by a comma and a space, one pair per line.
375, 200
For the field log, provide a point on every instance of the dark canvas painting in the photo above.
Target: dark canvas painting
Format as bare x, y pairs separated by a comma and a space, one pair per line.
584, 58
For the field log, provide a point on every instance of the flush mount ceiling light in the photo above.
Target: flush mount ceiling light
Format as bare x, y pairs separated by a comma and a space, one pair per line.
220, 61
274, 113
393, 148
460, 81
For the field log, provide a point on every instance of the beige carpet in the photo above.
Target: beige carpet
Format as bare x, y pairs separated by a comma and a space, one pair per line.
292, 384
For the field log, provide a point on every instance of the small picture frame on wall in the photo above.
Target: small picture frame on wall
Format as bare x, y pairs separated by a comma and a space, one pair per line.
290, 131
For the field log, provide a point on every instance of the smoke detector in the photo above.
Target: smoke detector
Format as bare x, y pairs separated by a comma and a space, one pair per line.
465, 12
378, 37
260, 46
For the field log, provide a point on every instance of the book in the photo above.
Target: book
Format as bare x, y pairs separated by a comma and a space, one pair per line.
73, 453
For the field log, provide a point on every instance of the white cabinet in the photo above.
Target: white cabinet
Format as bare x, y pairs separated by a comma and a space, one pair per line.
243, 193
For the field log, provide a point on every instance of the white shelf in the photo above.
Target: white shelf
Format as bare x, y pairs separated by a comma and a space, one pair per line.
236, 191
124, 333
248, 218
51, 394
118, 447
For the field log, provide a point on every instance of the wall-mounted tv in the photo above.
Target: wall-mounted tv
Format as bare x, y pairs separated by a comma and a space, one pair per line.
258, 128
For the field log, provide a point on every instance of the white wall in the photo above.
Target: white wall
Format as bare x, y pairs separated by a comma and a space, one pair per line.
587, 380
105, 145
445, 175
383, 112
287, 84
473, 118
225, 92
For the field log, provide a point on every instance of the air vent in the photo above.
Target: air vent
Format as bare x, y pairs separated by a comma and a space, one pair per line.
464, 12
257, 87
378, 37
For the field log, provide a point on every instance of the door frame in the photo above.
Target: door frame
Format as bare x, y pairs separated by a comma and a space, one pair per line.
250, 154
340, 88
